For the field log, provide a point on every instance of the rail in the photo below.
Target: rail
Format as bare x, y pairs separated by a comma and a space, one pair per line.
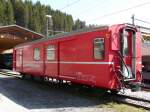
134, 101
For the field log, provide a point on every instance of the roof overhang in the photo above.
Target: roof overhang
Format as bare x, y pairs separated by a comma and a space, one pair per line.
13, 35
20, 31
145, 31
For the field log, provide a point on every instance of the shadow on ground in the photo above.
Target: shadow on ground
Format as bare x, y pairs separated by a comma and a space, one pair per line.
38, 95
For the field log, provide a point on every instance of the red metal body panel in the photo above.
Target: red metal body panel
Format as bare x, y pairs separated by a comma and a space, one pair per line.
31, 66
19, 60
77, 60
74, 58
51, 66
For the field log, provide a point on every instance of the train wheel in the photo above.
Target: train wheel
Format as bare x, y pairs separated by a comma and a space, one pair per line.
31, 77
38, 78
60, 81
23, 76
114, 92
42, 79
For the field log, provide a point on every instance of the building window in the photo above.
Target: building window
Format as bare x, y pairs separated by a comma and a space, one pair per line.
99, 48
50, 52
37, 54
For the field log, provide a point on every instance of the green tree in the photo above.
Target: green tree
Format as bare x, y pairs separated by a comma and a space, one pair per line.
79, 24
2, 13
9, 12
33, 16
19, 10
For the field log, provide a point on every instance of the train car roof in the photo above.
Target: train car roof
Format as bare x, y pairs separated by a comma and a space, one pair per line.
63, 35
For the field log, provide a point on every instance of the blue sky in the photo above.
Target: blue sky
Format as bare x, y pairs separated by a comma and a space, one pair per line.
103, 11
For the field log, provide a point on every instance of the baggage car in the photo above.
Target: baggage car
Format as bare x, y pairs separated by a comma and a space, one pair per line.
106, 57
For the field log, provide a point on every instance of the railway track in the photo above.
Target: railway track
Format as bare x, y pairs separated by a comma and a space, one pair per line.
9, 74
146, 87
127, 99
134, 101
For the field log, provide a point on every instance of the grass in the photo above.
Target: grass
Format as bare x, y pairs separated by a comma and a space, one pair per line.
118, 107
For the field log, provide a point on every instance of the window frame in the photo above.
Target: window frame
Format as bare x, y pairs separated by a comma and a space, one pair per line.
50, 49
39, 55
101, 50
125, 37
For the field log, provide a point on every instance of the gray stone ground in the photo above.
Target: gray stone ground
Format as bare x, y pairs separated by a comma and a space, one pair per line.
17, 95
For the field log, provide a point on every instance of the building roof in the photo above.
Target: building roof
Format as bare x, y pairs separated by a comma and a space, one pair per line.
20, 31
146, 49
13, 35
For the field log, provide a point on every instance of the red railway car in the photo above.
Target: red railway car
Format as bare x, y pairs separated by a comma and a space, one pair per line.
103, 57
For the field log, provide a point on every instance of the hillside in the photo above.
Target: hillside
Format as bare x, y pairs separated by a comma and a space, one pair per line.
32, 16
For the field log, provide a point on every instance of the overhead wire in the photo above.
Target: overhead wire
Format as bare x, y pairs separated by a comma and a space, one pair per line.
109, 14
142, 21
69, 5
120, 11
91, 8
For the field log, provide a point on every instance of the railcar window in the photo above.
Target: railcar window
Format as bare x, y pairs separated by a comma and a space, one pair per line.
99, 48
50, 52
125, 45
37, 54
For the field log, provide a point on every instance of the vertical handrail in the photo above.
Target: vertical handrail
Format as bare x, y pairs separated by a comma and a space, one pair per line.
121, 58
